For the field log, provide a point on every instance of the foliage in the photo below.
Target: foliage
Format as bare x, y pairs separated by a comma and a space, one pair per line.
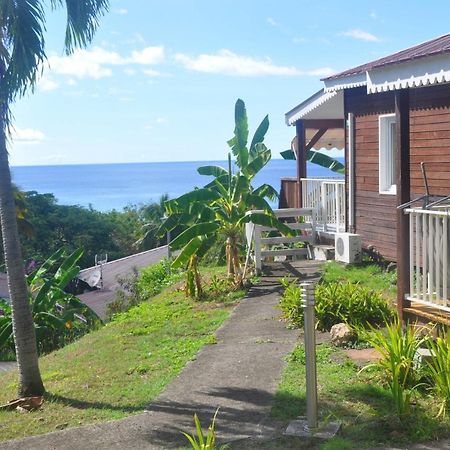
439, 370
59, 317
335, 303
398, 349
118, 369
358, 400
317, 158
116, 233
367, 274
140, 286
202, 442
218, 211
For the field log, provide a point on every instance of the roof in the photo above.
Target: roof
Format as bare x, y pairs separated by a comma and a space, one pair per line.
98, 300
437, 46
321, 105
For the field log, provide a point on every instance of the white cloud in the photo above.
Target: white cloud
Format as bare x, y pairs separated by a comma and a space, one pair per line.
228, 63
272, 22
27, 136
225, 62
121, 11
129, 72
321, 72
47, 84
148, 56
299, 40
361, 35
152, 73
96, 63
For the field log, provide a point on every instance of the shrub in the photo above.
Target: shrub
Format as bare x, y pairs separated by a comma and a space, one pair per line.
439, 370
398, 349
335, 303
140, 286
202, 442
59, 317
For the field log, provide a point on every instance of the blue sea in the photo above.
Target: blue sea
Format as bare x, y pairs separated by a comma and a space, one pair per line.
114, 186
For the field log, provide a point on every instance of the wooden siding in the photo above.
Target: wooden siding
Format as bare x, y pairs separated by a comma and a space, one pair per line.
375, 214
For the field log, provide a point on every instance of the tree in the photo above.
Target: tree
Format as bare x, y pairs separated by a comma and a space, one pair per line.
22, 53
220, 209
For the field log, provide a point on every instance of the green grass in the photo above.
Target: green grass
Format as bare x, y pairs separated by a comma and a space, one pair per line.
367, 274
117, 370
356, 399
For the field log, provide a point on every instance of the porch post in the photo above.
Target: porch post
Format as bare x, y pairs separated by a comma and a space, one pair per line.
403, 195
301, 158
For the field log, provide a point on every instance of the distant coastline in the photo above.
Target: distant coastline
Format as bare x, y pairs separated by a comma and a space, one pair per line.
117, 185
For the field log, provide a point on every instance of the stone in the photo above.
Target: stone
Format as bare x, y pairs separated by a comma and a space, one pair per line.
341, 334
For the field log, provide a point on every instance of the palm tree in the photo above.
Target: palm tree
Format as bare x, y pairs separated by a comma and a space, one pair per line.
22, 53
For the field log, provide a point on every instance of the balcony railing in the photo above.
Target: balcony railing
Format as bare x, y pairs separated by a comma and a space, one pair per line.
429, 257
264, 239
327, 197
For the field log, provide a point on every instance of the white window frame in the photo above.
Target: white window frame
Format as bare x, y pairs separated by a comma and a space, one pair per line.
386, 155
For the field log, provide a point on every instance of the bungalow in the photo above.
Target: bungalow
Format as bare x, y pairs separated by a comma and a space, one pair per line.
393, 116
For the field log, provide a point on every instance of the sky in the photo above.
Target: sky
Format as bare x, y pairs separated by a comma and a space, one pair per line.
160, 79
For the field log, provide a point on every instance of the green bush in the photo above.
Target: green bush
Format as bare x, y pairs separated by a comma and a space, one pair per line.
439, 370
155, 278
140, 286
351, 303
398, 349
59, 317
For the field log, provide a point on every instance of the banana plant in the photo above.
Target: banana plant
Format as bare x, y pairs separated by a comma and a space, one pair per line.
58, 316
317, 158
219, 211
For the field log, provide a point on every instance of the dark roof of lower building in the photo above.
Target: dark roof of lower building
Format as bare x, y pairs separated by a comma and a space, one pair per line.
437, 46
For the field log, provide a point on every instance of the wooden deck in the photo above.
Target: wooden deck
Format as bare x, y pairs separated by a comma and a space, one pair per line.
426, 314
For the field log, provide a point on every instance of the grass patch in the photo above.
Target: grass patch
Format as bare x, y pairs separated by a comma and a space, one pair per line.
367, 274
118, 370
358, 400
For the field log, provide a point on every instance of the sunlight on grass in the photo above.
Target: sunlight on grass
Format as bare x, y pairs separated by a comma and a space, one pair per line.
117, 370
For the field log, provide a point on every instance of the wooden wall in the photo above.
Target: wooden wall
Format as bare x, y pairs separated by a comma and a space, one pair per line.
375, 214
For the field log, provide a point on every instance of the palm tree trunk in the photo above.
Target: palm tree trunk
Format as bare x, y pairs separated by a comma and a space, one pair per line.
30, 381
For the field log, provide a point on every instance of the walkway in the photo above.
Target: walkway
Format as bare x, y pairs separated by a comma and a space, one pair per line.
112, 271
239, 374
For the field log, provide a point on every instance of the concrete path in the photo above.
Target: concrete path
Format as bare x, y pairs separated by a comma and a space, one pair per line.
239, 374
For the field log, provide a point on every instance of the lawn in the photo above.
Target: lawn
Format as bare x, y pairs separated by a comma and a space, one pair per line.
358, 400
367, 274
117, 370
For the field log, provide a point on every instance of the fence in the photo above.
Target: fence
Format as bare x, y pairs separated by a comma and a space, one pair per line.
327, 197
429, 257
297, 219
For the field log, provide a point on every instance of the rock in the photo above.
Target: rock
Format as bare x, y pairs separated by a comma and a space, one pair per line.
341, 334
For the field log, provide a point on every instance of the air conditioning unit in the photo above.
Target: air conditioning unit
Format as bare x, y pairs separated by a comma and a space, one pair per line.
347, 247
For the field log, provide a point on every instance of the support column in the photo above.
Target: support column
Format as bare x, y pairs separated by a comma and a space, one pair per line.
403, 195
301, 158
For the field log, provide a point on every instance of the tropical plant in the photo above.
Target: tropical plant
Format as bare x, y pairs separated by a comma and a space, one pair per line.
337, 302
219, 211
59, 317
202, 442
439, 370
317, 158
22, 52
398, 349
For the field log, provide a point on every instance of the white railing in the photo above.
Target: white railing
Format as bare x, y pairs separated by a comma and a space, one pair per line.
429, 257
296, 219
327, 197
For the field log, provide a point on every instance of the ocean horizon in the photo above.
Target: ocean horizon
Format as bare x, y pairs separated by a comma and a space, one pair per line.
105, 187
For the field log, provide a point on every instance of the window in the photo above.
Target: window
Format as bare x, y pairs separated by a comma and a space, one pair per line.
388, 145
